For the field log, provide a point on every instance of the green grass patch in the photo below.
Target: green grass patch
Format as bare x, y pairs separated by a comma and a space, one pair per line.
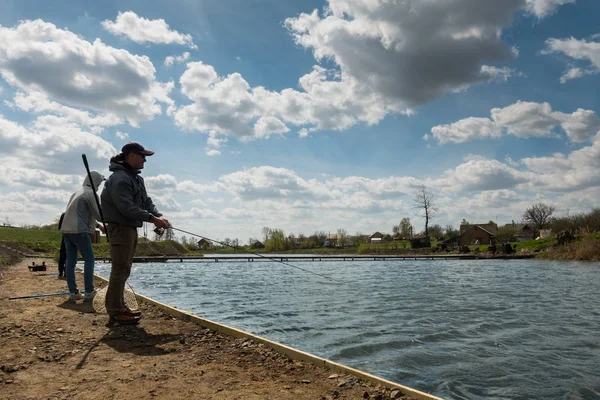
48, 243
534, 245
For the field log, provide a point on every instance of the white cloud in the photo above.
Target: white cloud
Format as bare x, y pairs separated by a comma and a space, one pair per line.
50, 144
142, 30
204, 213
410, 53
237, 213
543, 8
266, 126
230, 106
17, 176
386, 56
161, 182
166, 203
522, 119
38, 102
574, 73
212, 152
465, 130
303, 133
498, 74
122, 135
170, 60
198, 202
264, 182
560, 172
511, 162
577, 50
215, 140
480, 174
49, 196
37, 57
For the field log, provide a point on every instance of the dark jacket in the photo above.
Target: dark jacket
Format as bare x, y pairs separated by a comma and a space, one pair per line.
124, 197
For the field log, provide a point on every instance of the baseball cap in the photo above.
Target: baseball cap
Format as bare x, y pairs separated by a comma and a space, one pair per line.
133, 147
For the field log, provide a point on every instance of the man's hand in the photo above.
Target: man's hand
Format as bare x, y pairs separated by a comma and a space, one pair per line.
101, 227
160, 222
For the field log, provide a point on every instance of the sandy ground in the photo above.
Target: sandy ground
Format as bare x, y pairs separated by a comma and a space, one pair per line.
50, 349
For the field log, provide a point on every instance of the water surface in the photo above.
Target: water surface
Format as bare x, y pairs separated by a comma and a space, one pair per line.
460, 329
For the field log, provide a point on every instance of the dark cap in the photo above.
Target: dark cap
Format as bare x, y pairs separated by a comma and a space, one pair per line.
133, 147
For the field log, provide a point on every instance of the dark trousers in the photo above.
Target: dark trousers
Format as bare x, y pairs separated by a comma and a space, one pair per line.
62, 258
123, 241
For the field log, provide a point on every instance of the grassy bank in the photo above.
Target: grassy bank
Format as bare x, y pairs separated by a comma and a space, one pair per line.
585, 247
48, 243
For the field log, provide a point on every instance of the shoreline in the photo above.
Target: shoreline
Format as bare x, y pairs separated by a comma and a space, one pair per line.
322, 258
53, 349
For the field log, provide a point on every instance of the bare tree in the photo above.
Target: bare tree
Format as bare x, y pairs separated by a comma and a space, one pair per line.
538, 215
7, 221
266, 231
425, 200
341, 236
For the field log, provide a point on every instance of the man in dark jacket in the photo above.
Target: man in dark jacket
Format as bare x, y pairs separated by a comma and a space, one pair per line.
126, 206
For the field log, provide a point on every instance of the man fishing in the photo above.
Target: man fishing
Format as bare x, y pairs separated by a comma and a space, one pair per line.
126, 206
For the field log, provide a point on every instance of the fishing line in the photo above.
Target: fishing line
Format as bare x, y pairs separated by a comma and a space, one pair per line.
257, 254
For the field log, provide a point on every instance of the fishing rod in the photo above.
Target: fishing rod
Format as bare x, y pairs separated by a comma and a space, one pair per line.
34, 296
87, 168
256, 254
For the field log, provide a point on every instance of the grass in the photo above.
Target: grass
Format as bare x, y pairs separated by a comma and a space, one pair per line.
48, 243
586, 247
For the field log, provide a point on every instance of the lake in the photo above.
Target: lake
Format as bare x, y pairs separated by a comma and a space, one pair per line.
459, 329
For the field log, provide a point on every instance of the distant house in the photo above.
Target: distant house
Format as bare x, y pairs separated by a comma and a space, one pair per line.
524, 232
335, 240
387, 238
257, 244
204, 244
377, 237
474, 234
397, 236
420, 242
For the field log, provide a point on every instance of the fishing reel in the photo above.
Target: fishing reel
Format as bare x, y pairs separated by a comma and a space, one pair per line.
159, 231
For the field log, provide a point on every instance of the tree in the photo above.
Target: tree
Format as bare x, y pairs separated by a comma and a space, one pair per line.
319, 237
464, 222
7, 221
277, 241
405, 228
425, 200
436, 231
538, 215
266, 231
450, 232
341, 237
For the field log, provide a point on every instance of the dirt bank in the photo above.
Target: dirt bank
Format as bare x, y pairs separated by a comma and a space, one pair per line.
50, 349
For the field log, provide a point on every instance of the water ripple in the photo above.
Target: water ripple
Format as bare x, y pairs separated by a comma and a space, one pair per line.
501, 329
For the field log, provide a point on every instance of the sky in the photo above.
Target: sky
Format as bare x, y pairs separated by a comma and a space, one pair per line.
304, 115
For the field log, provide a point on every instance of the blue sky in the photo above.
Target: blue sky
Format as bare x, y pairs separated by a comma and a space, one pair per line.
304, 116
